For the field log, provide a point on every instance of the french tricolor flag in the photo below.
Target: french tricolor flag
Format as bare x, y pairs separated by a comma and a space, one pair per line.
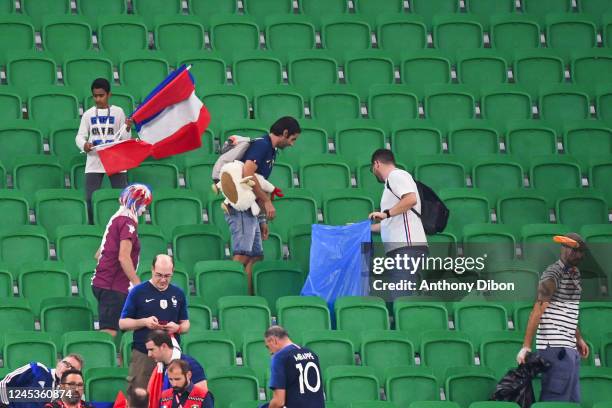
171, 120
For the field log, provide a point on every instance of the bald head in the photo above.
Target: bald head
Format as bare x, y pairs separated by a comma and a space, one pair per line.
161, 272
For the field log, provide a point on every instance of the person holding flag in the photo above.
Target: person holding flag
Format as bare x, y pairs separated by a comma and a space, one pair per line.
101, 124
184, 393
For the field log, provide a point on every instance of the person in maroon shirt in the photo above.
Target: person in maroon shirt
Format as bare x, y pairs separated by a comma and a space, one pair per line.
118, 256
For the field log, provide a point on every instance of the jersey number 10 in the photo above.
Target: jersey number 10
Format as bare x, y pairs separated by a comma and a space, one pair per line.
304, 377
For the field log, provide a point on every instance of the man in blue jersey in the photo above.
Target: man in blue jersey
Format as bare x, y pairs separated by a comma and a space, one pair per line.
295, 373
153, 305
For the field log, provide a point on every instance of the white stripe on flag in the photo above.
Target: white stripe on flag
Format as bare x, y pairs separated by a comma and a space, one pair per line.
171, 119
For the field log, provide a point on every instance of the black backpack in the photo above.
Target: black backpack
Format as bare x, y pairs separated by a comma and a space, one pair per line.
434, 214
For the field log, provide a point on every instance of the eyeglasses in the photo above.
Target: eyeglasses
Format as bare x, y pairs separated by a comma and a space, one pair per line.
160, 276
73, 384
67, 364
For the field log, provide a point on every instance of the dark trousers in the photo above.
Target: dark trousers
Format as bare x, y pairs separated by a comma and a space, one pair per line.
93, 181
561, 381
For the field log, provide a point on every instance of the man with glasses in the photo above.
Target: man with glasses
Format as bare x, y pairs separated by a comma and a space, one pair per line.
153, 305
36, 375
73, 388
555, 317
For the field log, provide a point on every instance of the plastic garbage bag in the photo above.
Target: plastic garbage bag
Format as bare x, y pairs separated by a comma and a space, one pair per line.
337, 265
516, 385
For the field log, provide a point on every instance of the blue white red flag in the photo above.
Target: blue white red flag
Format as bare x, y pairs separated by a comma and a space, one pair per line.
171, 120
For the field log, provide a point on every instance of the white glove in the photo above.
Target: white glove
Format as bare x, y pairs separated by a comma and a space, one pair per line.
520, 357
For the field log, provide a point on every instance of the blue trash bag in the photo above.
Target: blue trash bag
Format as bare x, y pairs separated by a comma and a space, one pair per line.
338, 263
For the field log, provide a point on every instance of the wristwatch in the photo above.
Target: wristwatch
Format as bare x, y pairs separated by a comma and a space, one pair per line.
387, 213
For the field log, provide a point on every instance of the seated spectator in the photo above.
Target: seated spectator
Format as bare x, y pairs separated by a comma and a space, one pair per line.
183, 392
72, 387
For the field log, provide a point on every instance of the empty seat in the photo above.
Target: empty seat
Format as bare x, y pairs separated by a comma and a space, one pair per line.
17, 35
484, 9
65, 314
340, 34
346, 384
513, 31
416, 317
21, 348
61, 142
97, 348
568, 34
14, 210
204, 9
295, 208
226, 104
48, 104
470, 315
150, 10
471, 139
55, 208
542, 8
28, 242
525, 139
497, 351
367, 68
31, 174
174, 35
467, 385
66, 34
91, 9
215, 279
119, 34
386, 103
373, 9
193, 243
258, 69
385, 349
16, 311
440, 172
538, 245
141, 71
455, 32
10, 104
481, 67
598, 176
553, 173
238, 314
587, 140
398, 33
216, 216
449, 103
466, 207
333, 347
43, 280
212, 349
273, 103
407, 385
77, 243
505, 103
413, 138
208, 69
591, 68
595, 7
256, 356
299, 237
299, 314
319, 174
356, 139
287, 33
357, 314
152, 243
38, 10
331, 104
311, 68
606, 350
534, 68
200, 315
172, 208
522, 208
231, 384
259, 10
157, 174
444, 349
275, 279
233, 35
497, 176
496, 241
318, 9
105, 203
429, 9
103, 384
27, 72
345, 206
425, 67
595, 385
312, 140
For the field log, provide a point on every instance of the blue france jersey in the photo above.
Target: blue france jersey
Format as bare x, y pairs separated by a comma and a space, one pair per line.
296, 370
263, 154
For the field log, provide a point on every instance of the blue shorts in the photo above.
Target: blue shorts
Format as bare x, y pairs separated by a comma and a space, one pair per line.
561, 381
246, 234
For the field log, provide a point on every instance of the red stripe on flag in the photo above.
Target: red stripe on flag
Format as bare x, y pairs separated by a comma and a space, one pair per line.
123, 156
189, 137
179, 89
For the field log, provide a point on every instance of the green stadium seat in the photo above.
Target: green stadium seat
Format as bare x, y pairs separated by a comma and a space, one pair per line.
333, 347
364, 69
467, 206
412, 316
467, 385
456, 32
606, 350
505, 103
497, 351
257, 70
598, 176
193, 243
97, 348
331, 104
496, 176
496, 241
259, 10
538, 246
398, 32
200, 315
595, 7
440, 172
295, 208
357, 314
27, 242
515, 209
282, 176
595, 386
10, 104
141, 71
448, 103
472, 139
210, 348
151, 10
75, 244
356, 139
152, 242
341, 207
157, 174
530, 138
313, 139
16, 34
256, 356
445, 244
521, 314
300, 314
233, 35
587, 140
429, 9
444, 349
198, 174
607, 30
407, 385
91, 9
26, 72
6, 282
33, 173
570, 33
207, 68
591, 315
125, 347
553, 173
216, 216
484, 9
275, 279
341, 34
180, 277
14, 210
55, 208
244, 127
273, 103
7, 7
372, 404
385, 349
425, 67
534, 68
604, 96
103, 384
122, 33
318, 174
481, 67
346, 384
602, 404
203, 9
172, 208
17, 312
233, 384
513, 31
581, 208
238, 314
412, 139
287, 33
299, 237
43, 280
556, 405
61, 142
591, 68
105, 203
311, 68
176, 34
273, 247
46, 105
316, 10
65, 314
371, 10
38, 10
216, 279
20, 348
386, 103
85, 275
66, 34
469, 317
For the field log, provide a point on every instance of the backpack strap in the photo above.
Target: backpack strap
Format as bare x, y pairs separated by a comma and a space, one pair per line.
387, 186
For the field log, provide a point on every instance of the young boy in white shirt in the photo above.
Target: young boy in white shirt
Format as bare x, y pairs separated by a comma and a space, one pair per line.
101, 124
